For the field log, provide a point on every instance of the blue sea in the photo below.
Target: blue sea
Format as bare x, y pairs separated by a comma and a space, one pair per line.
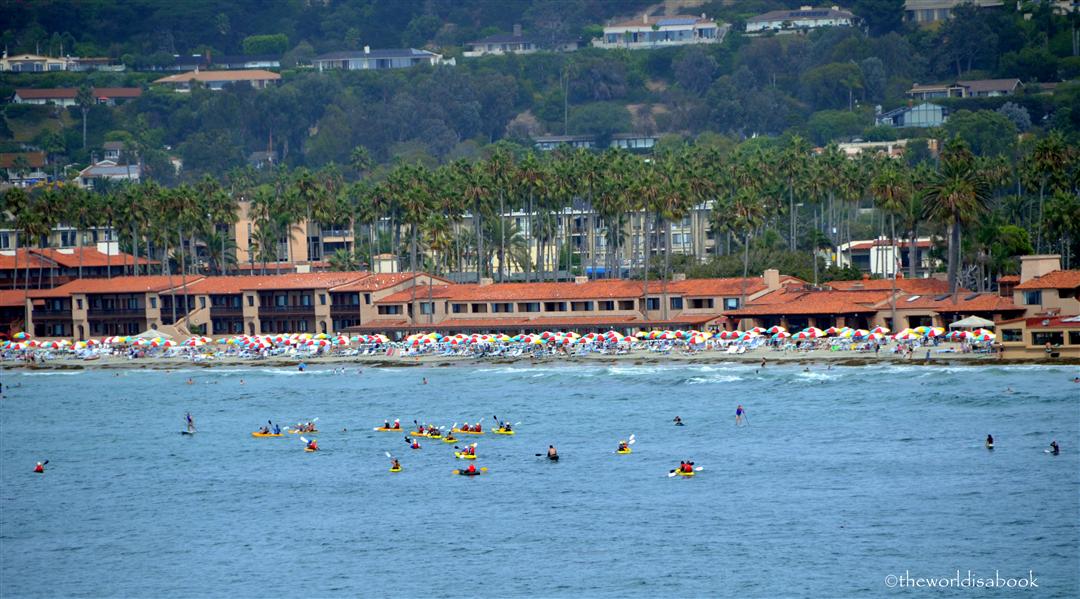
847, 482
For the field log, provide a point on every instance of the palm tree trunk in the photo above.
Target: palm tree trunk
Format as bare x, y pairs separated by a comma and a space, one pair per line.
745, 269
183, 278
895, 268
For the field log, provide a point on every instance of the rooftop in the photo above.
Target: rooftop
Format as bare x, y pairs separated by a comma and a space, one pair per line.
34, 159
155, 283
665, 21
816, 302
1058, 279
58, 93
917, 286
1047, 322
12, 298
226, 285
205, 76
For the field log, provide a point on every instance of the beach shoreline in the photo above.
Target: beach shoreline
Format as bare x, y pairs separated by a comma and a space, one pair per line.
646, 358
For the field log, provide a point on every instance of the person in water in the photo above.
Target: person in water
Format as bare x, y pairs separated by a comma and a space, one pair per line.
1054, 449
552, 454
989, 441
301, 367
425, 380
313, 445
190, 422
678, 421
740, 415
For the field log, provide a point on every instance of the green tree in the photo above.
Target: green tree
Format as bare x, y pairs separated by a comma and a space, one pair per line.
270, 44
84, 99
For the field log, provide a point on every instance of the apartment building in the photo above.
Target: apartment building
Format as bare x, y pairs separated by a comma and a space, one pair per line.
1045, 289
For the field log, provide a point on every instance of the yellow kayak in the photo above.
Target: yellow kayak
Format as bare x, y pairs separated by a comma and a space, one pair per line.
624, 451
687, 474
417, 434
383, 429
464, 456
310, 449
395, 470
457, 430
499, 431
258, 434
296, 431
449, 440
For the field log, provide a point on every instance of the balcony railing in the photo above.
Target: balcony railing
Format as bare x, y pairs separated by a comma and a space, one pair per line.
103, 312
288, 309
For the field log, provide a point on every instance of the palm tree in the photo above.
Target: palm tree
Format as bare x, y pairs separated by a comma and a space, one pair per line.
84, 99
746, 212
1047, 167
956, 194
892, 188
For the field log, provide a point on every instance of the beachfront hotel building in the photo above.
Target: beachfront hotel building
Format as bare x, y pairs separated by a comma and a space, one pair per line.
397, 304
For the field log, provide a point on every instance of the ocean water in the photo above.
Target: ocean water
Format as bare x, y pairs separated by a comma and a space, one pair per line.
844, 477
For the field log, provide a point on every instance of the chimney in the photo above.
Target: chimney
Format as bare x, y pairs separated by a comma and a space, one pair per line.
517, 29
772, 279
678, 276
486, 281
1037, 266
580, 280
367, 49
645, 18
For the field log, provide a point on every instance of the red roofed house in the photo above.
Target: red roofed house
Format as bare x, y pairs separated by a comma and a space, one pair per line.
1049, 336
22, 169
1045, 289
87, 308
65, 96
50, 267
582, 305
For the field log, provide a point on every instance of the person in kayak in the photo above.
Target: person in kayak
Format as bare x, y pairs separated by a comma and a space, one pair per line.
394, 464
413, 443
477, 429
471, 450
552, 454
313, 445
190, 422
277, 430
678, 421
397, 424
739, 415
386, 424
40, 468
264, 431
1054, 449
688, 467
506, 427
450, 438
472, 469
989, 441
623, 446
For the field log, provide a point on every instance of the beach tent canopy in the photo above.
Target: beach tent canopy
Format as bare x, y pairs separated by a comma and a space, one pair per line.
971, 322
151, 334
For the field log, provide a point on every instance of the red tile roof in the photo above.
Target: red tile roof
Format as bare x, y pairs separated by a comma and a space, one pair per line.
817, 302
1007, 279
916, 286
1058, 279
7, 261
591, 290
12, 298
227, 285
1064, 321
245, 75
69, 93
980, 302
91, 257
865, 245
377, 282
156, 283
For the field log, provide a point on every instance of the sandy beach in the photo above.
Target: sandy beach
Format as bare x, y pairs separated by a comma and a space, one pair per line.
838, 358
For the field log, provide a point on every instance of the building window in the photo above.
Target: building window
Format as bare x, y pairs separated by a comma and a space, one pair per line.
367, 298
202, 302
1051, 337
1033, 298
427, 307
581, 306
78, 302
731, 303
479, 309
502, 307
390, 309
676, 303
305, 300
302, 326
1074, 337
652, 303
529, 307
1011, 335
251, 300
459, 308
607, 305
322, 299
554, 306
